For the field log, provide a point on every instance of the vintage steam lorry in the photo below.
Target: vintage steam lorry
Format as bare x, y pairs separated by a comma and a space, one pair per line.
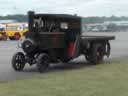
57, 37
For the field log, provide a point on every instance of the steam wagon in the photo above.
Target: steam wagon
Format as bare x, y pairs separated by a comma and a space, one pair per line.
58, 37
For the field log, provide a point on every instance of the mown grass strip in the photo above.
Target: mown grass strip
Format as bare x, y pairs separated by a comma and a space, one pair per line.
109, 79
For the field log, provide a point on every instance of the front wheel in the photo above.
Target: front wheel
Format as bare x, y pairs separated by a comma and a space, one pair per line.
18, 61
4, 37
42, 62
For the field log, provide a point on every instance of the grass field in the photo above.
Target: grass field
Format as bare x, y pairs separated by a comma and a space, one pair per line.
101, 80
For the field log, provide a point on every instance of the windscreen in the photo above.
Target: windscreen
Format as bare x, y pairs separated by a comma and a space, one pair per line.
46, 25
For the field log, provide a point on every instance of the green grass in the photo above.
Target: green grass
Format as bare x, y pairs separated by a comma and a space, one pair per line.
100, 80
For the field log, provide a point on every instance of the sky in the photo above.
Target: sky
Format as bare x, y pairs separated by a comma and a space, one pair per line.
80, 7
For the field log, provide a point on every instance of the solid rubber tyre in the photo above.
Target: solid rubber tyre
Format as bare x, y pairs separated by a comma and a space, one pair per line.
96, 54
18, 61
42, 62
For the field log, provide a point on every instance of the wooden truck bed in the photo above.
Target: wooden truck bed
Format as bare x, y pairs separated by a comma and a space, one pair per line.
87, 37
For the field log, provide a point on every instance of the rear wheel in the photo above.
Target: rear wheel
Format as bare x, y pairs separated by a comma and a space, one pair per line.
18, 61
17, 36
42, 62
96, 55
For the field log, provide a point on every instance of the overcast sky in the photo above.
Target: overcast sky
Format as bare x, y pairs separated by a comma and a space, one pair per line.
80, 7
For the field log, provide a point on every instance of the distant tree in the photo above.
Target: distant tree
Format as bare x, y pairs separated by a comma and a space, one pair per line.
19, 18
87, 20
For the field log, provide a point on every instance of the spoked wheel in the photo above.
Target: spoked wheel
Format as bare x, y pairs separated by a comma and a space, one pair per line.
96, 55
18, 61
42, 62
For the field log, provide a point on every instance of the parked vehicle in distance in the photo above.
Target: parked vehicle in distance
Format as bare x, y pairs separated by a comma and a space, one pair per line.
3, 35
15, 31
52, 38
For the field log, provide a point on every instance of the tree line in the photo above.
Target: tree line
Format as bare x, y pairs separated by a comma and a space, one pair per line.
92, 20
24, 18
19, 18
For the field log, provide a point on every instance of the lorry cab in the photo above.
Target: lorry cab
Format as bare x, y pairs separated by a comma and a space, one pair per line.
52, 31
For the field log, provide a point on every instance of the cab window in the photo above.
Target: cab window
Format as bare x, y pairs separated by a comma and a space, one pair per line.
64, 25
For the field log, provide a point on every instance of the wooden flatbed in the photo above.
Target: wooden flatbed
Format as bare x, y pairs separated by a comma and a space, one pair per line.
87, 37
